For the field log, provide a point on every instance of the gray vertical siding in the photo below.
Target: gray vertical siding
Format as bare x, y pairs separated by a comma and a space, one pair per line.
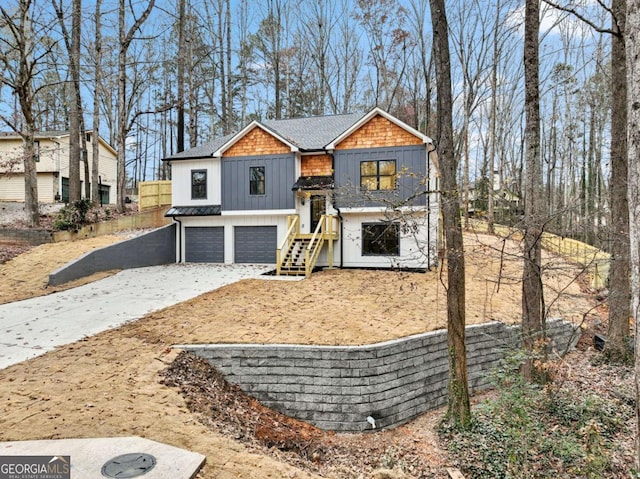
347, 175
279, 178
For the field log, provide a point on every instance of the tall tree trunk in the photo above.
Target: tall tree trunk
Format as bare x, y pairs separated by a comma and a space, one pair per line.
124, 41
458, 412
619, 298
632, 42
24, 91
74, 104
533, 324
493, 119
95, 161
182, 58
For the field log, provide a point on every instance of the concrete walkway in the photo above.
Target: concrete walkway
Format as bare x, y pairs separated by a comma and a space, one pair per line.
34, 326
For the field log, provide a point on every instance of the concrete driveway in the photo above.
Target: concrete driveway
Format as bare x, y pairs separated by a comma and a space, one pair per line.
34, 326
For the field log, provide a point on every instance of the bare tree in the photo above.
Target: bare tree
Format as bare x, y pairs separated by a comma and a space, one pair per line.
616, 347
97, 78
533, 323
20, 60
632, 43
123, 103
181, 59
77, 150
459, 411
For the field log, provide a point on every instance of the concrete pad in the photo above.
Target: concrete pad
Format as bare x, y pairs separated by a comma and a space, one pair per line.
89, 455
34, 326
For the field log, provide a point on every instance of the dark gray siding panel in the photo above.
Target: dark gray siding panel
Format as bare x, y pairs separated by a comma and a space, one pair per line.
413, 159
203, 244
279, 178
255, 244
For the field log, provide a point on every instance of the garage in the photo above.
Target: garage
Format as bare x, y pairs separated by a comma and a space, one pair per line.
204, 244
255, 244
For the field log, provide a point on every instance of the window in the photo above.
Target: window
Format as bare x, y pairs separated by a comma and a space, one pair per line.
36, 150
198, 184
256, 180
380, 239
378, 175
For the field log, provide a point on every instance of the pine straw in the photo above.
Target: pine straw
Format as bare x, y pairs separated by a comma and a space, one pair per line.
224, 408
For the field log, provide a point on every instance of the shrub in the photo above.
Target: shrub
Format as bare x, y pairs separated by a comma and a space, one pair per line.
530, 431
73, 216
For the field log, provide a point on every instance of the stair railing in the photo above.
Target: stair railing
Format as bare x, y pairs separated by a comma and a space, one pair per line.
293, 229
315, 245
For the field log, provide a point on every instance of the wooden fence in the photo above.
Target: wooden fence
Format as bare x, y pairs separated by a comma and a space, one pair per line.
154, 194
595, 260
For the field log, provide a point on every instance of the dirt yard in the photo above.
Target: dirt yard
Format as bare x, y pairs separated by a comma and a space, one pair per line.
110, 384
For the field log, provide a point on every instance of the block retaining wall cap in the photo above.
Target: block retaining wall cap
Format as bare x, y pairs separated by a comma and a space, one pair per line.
337, 387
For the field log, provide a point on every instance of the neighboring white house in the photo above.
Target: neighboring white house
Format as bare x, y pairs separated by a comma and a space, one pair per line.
52, 165
298, 193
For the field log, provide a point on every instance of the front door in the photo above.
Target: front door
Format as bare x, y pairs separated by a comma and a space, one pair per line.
318, 208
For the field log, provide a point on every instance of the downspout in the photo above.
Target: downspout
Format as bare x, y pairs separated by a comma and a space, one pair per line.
179, 238
429, 206
335, 207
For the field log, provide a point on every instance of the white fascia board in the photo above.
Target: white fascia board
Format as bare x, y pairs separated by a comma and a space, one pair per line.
381, 209
258, 212
369, 116
254, 124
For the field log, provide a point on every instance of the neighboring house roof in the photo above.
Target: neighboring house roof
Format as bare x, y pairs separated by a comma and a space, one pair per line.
53, 134
38, 134
315, 133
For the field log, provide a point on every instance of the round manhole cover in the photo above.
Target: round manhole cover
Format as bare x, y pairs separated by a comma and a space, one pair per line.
129, 465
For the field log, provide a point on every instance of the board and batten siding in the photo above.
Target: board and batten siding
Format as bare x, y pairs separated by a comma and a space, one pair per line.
411, 166
181, 183
279, 178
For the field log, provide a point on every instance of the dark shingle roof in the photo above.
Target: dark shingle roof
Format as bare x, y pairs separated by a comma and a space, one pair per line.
202, 151
206, 210
308, 134
313, 183
313, 133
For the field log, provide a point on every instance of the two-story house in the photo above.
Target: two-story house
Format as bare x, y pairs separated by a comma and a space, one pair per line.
354, 190
52, 166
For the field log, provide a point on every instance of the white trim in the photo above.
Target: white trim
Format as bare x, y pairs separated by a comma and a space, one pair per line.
238, 136
365, 119
258, 212
384, 209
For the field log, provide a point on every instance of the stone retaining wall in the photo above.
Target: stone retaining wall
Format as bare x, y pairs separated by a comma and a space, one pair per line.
337, 387
32, 237
150, 249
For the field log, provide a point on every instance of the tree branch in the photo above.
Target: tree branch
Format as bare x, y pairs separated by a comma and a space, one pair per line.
584, 19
